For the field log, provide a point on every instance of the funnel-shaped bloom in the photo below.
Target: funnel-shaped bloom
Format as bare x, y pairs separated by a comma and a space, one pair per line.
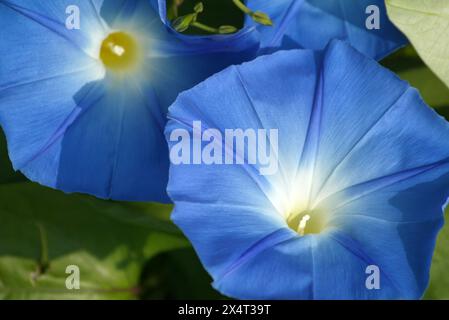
85, 85
311, 24
355, 205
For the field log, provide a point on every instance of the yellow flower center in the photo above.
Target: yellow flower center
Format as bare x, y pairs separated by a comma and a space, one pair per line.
120, 52
307, 222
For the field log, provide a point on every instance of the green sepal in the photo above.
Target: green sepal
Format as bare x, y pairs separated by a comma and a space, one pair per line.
183, 23
261, 18
226, 29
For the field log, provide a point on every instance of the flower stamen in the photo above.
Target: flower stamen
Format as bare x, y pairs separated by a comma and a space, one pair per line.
303, 224
307, 222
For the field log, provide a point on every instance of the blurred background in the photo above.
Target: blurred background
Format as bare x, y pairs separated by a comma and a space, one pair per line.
132, 250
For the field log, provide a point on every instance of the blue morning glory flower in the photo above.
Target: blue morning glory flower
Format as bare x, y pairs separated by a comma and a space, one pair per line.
334, 190
85, 85
311, 24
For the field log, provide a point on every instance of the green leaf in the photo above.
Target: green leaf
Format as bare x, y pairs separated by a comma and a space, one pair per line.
434, 92
177, 274
7, 174
439, 280
43, 231
425, 23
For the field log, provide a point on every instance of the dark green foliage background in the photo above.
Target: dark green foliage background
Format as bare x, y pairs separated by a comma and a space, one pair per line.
216, 13
132, 250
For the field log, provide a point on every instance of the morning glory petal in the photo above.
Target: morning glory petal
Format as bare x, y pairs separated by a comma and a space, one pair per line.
364, 135
252, 278
404, 265
52, 16
118, 119
33, 76
338, 260
255, 207
213, 238
311, 24
74, 123
362, 179
268, 109
408, 208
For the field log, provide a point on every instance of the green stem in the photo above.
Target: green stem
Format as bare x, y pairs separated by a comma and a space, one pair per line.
44, 247
43, 263
173, 11
204, 27
242, 7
